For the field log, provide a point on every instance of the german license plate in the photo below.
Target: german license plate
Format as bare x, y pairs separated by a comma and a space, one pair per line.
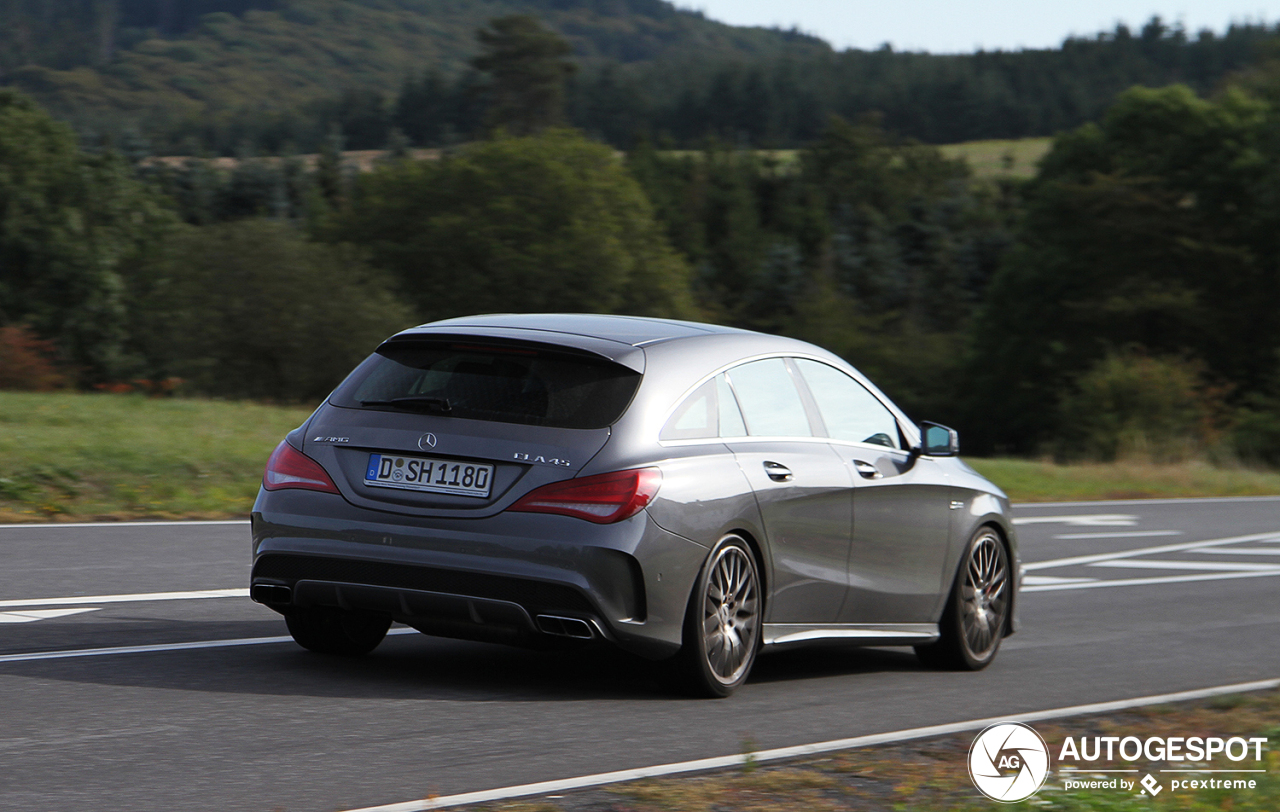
429, 475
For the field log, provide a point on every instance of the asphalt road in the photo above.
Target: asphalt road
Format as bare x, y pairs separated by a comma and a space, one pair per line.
1122, 599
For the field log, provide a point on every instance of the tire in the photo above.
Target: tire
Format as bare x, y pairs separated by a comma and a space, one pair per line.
977, 612
722, 622
335, 631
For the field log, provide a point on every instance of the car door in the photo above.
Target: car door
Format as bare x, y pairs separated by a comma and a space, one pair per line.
901, 505
801, 485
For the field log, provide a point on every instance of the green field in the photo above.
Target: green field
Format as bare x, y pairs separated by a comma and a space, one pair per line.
75, 456
1001, 158
70, 457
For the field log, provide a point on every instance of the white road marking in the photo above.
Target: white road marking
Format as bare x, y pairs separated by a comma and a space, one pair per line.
36, 525
1165, 548
1133, 535
31, 615
1238, 551
1090, 520
1212, 566
1041, 580
27, 657
1206, 571
1172, 579
701, 765
140, 597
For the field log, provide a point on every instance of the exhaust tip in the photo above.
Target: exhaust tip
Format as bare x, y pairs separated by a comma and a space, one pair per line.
576, 628
271, 594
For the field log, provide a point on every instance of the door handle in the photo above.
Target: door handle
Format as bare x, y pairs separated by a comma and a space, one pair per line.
866, 470
777, 471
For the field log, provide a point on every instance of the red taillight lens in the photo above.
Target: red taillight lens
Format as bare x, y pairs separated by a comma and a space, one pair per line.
603, 499
288, 467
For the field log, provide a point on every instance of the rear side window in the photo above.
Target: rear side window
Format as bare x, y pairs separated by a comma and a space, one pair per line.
769, 399
849, 410
711, 411
501, 384
695, 419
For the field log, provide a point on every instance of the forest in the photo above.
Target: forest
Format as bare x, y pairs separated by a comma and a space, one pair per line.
1120, 302
227, 77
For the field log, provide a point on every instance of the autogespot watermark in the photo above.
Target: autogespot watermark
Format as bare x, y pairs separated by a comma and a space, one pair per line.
1010, 762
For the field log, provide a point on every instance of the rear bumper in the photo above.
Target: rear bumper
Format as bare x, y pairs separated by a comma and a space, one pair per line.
513, 578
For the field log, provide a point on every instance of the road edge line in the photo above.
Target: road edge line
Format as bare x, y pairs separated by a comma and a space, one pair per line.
164, 523
149, 648
136, 597
781, 753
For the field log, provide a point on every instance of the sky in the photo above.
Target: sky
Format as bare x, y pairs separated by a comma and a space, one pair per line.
956, 26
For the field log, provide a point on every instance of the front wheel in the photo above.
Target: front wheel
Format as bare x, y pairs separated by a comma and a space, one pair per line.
335, 631
977, 610
722, 623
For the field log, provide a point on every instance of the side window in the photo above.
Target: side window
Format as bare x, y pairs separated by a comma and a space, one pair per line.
771, 405
696, 418
849, 410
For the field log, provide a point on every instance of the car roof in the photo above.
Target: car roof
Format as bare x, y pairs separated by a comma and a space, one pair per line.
636, 331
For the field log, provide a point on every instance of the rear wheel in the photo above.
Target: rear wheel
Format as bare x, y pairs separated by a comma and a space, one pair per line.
977, 611
722, 623
335, 631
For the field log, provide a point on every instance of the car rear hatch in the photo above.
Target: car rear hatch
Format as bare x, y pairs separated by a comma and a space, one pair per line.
462, 426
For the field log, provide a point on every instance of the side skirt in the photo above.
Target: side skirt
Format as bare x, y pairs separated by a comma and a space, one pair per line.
873, 634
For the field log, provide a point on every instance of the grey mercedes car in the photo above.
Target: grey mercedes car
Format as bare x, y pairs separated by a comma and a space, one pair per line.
687, 492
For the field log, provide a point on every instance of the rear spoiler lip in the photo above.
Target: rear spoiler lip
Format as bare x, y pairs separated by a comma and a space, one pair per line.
619, 353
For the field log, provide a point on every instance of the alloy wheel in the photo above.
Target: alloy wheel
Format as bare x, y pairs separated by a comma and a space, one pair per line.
730, 614
984, 596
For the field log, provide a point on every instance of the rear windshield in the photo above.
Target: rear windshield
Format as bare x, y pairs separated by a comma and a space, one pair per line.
506, 385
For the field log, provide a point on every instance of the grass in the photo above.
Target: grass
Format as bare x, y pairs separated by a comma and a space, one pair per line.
1001, 158
70, 456
931, 774
75, 456
1043, 481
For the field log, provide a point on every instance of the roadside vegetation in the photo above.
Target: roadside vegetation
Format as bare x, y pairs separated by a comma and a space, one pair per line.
1048, 481
931, 774
105, 456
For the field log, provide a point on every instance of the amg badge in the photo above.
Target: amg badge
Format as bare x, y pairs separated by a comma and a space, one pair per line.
541, 460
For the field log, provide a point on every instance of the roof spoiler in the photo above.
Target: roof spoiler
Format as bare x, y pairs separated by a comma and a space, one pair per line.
566, 344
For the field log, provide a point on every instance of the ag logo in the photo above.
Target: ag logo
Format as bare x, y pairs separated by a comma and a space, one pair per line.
1008, 762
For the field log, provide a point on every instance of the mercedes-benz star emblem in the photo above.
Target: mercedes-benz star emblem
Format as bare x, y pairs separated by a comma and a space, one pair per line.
427, 441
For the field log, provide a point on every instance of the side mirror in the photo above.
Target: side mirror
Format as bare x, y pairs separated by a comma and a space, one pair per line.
938, 441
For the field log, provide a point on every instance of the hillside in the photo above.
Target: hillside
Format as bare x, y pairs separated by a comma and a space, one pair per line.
250, 76
161, 64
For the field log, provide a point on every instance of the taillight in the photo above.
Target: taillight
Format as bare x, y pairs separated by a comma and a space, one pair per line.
603, 499
288, 467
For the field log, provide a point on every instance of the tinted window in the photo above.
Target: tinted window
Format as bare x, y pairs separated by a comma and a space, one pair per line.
849, 410
770, 403
505, 385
